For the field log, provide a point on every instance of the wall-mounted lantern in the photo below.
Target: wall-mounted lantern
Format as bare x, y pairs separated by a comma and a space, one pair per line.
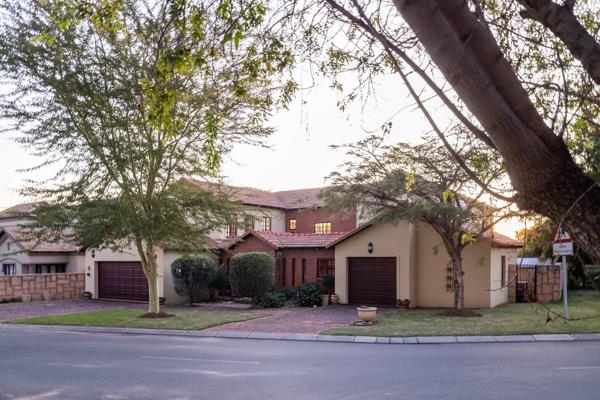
93, 253
370, 247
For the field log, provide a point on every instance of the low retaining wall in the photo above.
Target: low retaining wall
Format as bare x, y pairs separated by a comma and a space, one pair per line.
57, 286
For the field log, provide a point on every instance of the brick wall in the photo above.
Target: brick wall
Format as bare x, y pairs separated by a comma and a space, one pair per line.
59, 286
311, 256
307, 218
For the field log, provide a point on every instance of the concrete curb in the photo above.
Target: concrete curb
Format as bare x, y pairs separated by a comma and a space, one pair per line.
575, 337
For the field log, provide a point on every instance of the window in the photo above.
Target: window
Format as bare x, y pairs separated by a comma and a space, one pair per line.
325, 266
292, 224
503, 271
231, 230
293, 272
9, 269
248, 222
303, 277
266, 224
323, 227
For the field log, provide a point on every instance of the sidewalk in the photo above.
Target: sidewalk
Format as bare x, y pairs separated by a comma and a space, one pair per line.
314, 338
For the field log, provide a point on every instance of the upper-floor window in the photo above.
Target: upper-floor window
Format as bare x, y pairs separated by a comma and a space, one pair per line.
292, 224
231, 230
323, 227
266, 223
248, 222
9, 269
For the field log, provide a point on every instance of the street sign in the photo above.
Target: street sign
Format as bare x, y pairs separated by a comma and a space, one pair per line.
562, 244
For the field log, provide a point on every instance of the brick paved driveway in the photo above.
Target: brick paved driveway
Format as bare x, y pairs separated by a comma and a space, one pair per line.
10, 311
308, 321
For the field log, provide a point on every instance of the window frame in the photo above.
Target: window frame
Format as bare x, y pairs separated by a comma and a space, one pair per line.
231, 230
267, 223
503, 272
329, 267
295, 223
10, 267
323, 228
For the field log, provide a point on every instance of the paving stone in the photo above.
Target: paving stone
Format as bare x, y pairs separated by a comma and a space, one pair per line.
553, 338
332, 338
397, 340
365, 339
411, 340
436, 339
475, 339
514, 338
271, 336
383, 340
299, 337
586, 336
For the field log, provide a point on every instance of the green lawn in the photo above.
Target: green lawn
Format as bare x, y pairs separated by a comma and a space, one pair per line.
503, 320
188, 320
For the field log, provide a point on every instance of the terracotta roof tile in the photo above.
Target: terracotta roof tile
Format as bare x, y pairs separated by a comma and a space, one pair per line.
24, 240
292, 240
502, 241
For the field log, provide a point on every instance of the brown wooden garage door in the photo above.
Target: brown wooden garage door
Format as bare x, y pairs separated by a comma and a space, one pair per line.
122, 280
372, 280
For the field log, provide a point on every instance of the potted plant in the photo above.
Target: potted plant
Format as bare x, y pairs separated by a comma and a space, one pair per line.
367, 314
404, 304
334, 299
328, 282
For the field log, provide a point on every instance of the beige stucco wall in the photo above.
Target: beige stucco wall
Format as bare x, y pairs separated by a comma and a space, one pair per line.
499, 295
388, 240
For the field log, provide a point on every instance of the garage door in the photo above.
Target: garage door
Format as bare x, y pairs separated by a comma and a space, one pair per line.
372, 280
122, 280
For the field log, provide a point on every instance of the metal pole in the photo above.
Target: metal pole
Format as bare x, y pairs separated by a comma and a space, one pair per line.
565, 280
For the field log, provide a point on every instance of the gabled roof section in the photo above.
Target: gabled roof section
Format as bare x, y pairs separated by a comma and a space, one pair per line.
502, 241
348, 234
286, 199
286, 240
23, 210
22, 239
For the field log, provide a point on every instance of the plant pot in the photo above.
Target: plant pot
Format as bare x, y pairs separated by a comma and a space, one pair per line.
26, 298
161, 300
325, 300
335, 299
46, 295
404, 304
87, 295
367, 314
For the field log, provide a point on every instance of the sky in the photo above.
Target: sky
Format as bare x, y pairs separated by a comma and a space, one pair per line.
297, 155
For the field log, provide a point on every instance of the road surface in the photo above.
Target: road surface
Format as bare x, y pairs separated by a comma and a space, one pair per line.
42, 365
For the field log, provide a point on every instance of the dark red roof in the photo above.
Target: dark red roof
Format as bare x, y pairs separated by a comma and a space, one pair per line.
286, 199
284, 240
501, 241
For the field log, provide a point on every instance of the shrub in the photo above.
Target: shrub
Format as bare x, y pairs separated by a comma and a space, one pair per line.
328, 282
287, 293
192, 275
308, 295
273, 300
219, 281
251, 275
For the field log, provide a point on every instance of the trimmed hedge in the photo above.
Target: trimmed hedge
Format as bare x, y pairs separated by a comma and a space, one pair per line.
251, 275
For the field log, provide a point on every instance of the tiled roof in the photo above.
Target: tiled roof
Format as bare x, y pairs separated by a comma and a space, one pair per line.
346, 235
292, 240
18, 211
502, 241
24, 240
286, 199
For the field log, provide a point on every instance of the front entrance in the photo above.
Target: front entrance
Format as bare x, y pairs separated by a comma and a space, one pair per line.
122, 281
372, 280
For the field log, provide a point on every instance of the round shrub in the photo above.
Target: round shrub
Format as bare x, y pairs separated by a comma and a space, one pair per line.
251, 274
192, 275
308, 295
272, 300
328, 282
287, 293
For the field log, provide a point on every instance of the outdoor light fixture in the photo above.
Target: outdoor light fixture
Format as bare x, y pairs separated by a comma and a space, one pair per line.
93, 253
370, 247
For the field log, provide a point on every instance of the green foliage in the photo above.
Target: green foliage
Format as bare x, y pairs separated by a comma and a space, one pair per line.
328, 282
272, 300
251, 274
192, 275
308, 295
592, 273
220, 280
287, 293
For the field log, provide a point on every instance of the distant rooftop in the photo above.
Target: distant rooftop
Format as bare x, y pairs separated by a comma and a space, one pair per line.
19, 211
285, 199
24, 240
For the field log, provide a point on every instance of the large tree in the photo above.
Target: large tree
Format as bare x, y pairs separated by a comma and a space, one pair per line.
423, 183
123, 99
478, 47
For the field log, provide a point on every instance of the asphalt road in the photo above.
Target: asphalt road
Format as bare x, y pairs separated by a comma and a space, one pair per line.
56, 365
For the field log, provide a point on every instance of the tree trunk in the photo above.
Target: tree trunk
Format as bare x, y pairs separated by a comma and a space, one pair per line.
458, 281
540, 167
150, 267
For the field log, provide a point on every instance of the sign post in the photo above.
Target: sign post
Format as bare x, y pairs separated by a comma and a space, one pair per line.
562, 245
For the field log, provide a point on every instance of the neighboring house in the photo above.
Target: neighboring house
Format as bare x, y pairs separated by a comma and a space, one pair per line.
20, 255
385, 262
